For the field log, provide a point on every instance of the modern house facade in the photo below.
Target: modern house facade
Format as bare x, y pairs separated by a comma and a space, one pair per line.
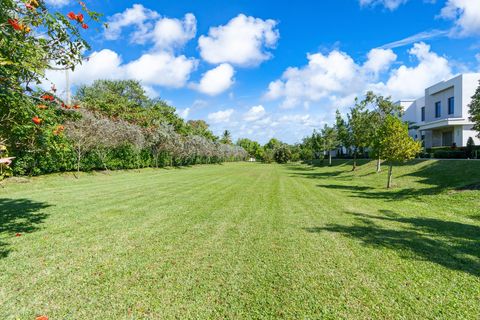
441, 117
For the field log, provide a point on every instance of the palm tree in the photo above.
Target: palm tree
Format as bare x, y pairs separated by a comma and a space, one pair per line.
226, 137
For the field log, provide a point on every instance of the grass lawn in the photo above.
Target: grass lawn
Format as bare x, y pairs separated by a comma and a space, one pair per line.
244, 240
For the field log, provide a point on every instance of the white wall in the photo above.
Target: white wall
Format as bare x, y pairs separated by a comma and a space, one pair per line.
470, 82
468, 132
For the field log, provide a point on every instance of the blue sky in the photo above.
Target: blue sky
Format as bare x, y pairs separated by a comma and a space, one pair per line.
278, 68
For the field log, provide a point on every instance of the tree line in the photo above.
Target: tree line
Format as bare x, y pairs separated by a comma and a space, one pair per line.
110, 125
372, 126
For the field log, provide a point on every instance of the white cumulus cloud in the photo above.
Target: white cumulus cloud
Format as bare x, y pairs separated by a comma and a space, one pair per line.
174, 33
410, 82
254, 113
379, 60
242, 41
159, 69
333, 80
465, 13
217, 80
137, 16
221, 116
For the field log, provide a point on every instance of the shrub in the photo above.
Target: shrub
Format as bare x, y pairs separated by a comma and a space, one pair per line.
469, 150
282, 154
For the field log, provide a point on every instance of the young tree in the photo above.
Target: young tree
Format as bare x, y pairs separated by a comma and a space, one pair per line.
343, 131
330, 140
360, 128
395, 144
470, 149
82, 134
474, 108
383, 107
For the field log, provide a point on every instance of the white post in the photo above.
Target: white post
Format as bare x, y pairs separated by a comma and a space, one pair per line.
67, 86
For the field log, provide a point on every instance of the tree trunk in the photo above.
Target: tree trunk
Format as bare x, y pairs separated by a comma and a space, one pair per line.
354, 160
379, 168
79, 157
389, 183
330, 157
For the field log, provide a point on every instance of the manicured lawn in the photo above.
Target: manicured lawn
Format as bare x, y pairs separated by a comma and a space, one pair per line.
244, 240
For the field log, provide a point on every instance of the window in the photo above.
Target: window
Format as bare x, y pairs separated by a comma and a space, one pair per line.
423, 113
438, 109
451, 105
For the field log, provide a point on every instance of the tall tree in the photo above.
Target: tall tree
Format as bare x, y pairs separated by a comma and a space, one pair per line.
273, 144
330, 140
201, 128
395, 144
474, 108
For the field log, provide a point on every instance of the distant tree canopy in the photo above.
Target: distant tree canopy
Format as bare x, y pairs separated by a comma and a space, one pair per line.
200, 128
126, 99
253, 148
273, 144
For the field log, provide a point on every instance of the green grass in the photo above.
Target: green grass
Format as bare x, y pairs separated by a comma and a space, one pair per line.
246, 241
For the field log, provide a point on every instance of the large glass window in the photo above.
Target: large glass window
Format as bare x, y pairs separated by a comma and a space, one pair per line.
451, 105
423, 113
438, 109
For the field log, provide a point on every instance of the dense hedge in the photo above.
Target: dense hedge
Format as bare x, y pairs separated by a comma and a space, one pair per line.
450, 154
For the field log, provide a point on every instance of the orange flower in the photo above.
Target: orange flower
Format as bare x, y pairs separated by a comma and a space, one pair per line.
15, 24
58, 130
42, 107
76, 106
72, 16
48, 97
79, 18
37, 120
18, 234
41, 318
85, 26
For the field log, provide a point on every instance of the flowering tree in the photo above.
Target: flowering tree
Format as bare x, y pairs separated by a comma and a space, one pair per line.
34, 39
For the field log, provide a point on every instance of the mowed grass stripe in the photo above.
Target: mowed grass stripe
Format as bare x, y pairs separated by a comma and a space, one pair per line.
244, 240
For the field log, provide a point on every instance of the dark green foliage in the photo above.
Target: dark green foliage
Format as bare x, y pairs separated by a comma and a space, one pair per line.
282, 154
470, 149
253, 148
450, 154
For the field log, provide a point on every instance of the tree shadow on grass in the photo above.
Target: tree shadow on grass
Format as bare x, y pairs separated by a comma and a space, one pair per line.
451, 244
432, 178
19, 216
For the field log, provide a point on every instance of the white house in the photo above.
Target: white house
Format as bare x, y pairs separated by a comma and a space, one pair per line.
440, 118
